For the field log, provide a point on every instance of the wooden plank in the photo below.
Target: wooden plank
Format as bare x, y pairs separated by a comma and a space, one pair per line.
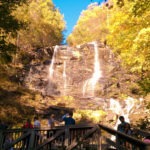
51, 139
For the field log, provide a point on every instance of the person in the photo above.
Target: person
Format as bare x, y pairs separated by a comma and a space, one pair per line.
68, 119
51, 121
147, 140
28, 124
3, 126
121, 126
128, 131
51, 124
37, 123
8, 140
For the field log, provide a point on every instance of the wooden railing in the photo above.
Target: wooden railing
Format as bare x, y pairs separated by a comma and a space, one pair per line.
77, 137
121, 141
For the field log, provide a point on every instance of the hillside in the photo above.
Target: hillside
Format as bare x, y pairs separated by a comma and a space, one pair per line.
22, 94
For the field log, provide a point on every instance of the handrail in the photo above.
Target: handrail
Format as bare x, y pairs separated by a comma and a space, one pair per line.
142, 145
72, 137
141, 133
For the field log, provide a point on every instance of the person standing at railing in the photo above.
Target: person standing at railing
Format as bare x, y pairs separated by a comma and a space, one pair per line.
122, 127
37, 125
51, 124
128, 131
27, 125
51, 121
68, 119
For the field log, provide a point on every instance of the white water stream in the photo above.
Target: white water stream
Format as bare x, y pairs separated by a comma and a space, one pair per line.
89, 85
51, 68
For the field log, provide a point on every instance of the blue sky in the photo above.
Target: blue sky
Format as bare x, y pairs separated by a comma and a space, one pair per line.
71, 10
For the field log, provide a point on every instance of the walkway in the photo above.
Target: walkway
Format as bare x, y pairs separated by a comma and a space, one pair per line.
77, 137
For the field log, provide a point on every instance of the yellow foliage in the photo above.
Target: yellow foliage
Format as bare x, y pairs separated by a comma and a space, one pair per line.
95, 116
90, 26
44, 24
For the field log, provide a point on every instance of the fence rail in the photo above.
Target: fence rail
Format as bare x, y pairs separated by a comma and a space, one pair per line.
77, 137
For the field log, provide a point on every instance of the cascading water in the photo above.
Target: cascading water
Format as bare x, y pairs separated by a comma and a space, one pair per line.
125, 111
51, 68
89, 86
119, 110
51, 87
58, 80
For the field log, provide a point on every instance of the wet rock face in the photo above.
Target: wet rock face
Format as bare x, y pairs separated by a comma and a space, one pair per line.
72, 67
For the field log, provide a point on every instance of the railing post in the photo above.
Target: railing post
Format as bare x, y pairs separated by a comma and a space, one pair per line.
32, 139
67, 136
99, 139
1, 139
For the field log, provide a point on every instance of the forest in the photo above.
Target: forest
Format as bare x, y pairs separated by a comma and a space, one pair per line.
29, 25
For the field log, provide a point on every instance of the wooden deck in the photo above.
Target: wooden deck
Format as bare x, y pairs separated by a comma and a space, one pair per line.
77, 137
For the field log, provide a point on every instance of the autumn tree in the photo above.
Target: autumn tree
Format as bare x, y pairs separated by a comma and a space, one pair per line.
92, 25
44, 24
9, 25
130, 35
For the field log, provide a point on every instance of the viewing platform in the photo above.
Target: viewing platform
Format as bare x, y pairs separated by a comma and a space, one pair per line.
75, 137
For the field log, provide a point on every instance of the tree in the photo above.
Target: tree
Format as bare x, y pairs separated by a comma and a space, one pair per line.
129, 34
44, 24
91, 26
8, 27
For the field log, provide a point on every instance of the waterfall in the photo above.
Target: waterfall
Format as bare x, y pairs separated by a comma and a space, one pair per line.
89, 85
51, 87
125, 111
97, 70
117, 108
51, 68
